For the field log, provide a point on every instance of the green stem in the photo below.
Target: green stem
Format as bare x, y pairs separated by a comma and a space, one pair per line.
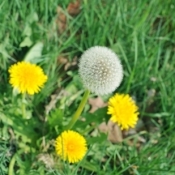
11, 166
23, 106
79, 110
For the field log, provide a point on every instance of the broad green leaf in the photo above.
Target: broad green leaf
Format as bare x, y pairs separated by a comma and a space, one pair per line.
98, 139
96, 118
26, 42
27, 31
89, 166
55, 118
34, 53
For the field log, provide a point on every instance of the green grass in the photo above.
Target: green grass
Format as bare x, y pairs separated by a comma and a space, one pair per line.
142, 33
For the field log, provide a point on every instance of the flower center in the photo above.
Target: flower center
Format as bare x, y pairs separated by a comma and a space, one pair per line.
71, 147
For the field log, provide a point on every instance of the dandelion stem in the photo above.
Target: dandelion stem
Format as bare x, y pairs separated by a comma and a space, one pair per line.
23, 106
11, 166
79, 110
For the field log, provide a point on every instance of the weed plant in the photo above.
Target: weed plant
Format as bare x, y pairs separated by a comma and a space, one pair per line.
141, 33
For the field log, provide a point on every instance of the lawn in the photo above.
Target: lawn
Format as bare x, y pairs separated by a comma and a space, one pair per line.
53, 35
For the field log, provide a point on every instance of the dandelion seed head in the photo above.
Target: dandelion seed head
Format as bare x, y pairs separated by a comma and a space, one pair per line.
100, 70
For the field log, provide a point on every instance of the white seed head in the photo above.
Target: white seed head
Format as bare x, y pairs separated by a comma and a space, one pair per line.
100, 70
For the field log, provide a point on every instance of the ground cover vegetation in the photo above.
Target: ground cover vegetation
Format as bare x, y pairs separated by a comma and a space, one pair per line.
46, 129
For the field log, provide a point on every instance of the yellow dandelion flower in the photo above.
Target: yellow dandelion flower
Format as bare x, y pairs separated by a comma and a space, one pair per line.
27, 77
71, 146
123, 110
